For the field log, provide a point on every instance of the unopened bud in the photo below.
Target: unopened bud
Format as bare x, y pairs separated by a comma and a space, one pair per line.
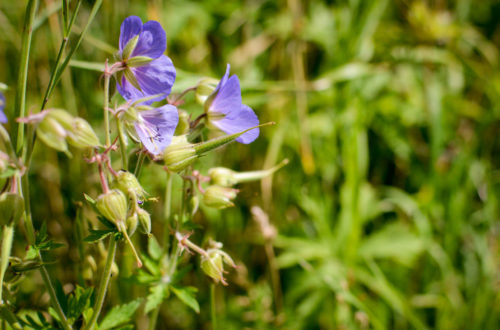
63, 117
179, 155
127, 182
204, 89
11, 208
222, 176
183, 125
112, 205
131, 223
213, 262
194, 203
52, 133
219, 197
81, 134
144, 221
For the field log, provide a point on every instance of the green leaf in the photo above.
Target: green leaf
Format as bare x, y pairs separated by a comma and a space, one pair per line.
106, 222
186, 295
154, 249
155, 298
120, 315
97, 235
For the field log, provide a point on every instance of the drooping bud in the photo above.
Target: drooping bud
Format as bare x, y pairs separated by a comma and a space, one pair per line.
144, 221
11, 208
63, 117
219, 197
213, 262
179, 154
127, 182
204, 89
131, 224
52, 133
81, 135
112, 205
183, 125
194, 203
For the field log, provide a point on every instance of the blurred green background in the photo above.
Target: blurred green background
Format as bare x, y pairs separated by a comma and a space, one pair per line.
387, 215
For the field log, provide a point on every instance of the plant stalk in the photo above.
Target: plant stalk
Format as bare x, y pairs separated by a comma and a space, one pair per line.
103, 286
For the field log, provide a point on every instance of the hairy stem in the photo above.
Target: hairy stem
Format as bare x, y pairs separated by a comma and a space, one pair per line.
7, 236
123, 144
103, 286
213, 312
106, 110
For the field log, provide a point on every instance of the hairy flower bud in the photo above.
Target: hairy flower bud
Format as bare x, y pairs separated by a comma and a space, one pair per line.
127, 182
213, 262
131, 224
204, 89
52, 133
144, 221
11, 208
81, 134
112, 205
219, 197
222, 176
183, 125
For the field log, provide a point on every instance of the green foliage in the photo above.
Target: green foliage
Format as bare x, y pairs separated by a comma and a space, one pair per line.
120, 315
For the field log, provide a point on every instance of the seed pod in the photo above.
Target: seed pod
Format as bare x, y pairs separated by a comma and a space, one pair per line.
11, 208
213, 266
219, 197
112, 205
180, 154
144, 221
52, 133
222, 176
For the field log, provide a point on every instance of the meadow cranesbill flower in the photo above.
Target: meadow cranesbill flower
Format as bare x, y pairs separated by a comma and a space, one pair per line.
154, 127
145, 71
226, 112
3, 117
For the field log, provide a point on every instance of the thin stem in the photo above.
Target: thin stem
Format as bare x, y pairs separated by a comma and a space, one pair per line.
213, 311
7, 236
168, 209
20, 102
123, 144
106, 106
140, 162
64, 43
103, 286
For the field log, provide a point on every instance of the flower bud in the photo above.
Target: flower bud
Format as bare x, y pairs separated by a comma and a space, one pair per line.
4, 161
131, 224
144, 221
52, 133
219, 197
194, 203
204, 89
81, 135
11, 208
222, 176
179, 154
112, 205
212, 264
183, 125
127, 182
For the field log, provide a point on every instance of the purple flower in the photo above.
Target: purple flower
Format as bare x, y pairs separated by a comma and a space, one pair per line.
3, 117
152, 77
156, 127
227, 113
